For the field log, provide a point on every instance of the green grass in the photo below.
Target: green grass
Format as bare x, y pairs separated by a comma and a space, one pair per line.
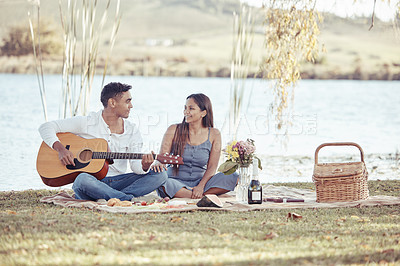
34, 233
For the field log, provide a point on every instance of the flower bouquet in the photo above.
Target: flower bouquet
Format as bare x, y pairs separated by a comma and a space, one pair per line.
239, 154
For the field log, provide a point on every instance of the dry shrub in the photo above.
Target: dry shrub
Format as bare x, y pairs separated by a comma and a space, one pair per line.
18, 41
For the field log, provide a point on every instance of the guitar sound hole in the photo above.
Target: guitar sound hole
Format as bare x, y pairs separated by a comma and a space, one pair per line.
85, 155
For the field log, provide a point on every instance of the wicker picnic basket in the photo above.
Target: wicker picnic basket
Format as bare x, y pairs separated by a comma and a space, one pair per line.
340, 181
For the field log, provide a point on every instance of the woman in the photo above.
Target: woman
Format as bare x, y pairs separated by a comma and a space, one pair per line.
199, 143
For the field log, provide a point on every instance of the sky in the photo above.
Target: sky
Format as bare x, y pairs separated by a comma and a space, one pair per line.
349, 8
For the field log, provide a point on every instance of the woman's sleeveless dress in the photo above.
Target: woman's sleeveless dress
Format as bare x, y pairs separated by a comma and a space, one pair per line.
195, 159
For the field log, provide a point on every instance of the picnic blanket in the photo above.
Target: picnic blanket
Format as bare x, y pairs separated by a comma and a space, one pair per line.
64, 199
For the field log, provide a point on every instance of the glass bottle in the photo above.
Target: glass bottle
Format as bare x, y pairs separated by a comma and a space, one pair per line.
255, 188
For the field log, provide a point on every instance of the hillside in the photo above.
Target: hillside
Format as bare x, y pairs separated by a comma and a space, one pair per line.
194, 38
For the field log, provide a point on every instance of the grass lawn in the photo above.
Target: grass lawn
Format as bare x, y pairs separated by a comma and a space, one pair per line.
36, 233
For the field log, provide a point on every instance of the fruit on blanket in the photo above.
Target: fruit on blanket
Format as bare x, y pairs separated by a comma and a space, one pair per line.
151, 201
163, 200
210, 201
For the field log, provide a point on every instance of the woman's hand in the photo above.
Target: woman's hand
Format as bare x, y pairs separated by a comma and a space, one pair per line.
197, 192
158, 167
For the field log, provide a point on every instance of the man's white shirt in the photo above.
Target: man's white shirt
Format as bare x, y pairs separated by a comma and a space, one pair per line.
94, 126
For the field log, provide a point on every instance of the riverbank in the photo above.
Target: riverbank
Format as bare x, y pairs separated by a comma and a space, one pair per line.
197, 42
181, 67
300, 168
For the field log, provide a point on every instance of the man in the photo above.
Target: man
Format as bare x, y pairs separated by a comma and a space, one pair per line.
122, 135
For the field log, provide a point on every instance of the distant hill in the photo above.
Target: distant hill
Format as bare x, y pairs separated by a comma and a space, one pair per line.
194, 38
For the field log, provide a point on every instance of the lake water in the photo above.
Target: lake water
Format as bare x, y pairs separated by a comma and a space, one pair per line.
365, 112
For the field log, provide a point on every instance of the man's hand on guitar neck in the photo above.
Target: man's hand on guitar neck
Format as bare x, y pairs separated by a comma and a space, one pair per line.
147, 160
66, 157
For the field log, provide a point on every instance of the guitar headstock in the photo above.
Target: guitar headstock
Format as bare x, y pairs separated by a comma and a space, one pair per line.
169, 159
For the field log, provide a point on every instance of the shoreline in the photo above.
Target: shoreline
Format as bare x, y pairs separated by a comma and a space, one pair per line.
167, 68
380, 166
297, 168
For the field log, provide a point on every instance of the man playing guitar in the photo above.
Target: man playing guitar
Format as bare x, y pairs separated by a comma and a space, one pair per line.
121, 135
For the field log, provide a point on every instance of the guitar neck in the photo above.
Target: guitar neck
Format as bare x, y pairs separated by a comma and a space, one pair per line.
165, 159
118, 155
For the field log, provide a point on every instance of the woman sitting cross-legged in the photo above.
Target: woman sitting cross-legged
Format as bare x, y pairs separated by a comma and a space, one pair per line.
199, 143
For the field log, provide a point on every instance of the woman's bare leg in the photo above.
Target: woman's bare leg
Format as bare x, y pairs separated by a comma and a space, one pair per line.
186, 193
216, 191
183, 193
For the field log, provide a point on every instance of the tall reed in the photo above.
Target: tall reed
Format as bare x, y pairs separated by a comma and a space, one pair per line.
38, 53
75, 97
113, 37
243, 27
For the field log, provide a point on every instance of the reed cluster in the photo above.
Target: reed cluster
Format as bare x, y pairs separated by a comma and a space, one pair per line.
83, 23
76, 93
243, 36
38, 55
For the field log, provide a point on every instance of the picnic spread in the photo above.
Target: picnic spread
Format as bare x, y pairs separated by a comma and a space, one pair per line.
280, 193
337, 185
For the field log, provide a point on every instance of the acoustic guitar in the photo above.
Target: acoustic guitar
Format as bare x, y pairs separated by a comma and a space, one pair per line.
91, 156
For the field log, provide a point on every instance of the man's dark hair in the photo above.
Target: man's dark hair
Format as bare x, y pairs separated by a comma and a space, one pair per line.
113, 90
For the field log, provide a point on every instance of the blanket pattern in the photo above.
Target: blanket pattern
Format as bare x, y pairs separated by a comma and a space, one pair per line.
64, 199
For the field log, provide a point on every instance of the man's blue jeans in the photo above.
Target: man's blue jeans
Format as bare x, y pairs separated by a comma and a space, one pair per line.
123, 187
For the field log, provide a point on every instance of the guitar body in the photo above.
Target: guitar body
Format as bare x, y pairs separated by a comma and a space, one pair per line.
55, 174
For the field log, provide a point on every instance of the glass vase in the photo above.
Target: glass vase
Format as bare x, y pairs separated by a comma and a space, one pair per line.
243, 184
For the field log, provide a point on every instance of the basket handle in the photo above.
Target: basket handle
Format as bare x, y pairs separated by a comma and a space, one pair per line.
338, 144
